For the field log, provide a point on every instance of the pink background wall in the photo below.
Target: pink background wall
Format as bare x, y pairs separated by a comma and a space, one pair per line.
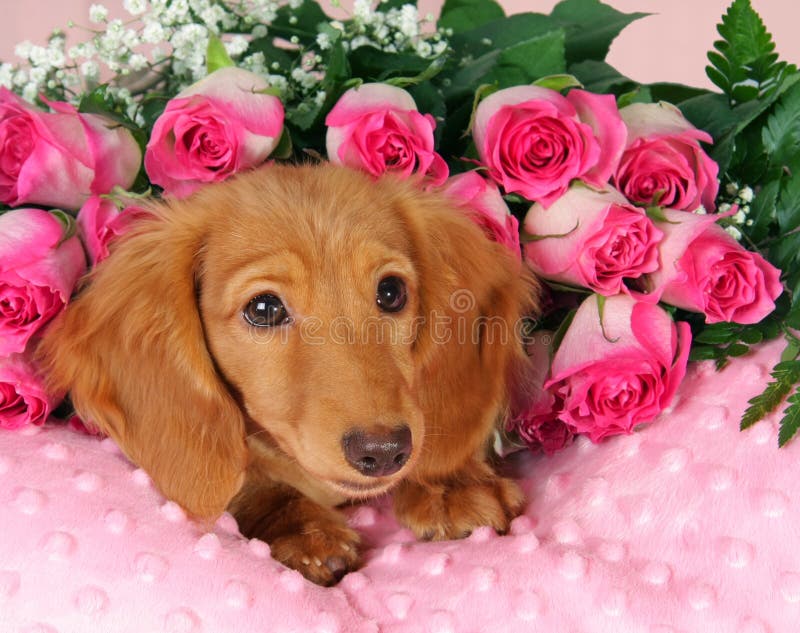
669, 46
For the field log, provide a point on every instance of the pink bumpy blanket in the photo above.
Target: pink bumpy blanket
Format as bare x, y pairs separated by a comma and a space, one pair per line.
688, 525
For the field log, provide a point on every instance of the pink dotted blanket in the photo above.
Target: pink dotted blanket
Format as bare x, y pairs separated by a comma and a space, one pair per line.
688, 525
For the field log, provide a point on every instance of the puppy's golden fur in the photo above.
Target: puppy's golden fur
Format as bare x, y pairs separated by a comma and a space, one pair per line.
221, 414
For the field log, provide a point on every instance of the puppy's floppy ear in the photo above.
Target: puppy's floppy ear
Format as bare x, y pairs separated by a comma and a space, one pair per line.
473, 294
131, 350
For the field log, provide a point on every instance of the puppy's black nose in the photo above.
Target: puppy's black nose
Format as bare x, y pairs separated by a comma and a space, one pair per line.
377, 453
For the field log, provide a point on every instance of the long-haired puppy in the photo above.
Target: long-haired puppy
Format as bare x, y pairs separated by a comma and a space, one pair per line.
296, 338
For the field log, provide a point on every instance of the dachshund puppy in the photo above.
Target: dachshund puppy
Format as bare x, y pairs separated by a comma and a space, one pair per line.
297, 338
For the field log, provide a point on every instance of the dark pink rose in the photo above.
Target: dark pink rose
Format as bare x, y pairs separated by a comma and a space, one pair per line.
221, 125
663, 162
619, 367
59, 159
534, 410
23, 399
39, 267
100, 221
535, 141
377, 128
485, 204
703, 269
592, 239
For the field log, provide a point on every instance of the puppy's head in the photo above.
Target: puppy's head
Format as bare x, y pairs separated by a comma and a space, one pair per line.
308, 305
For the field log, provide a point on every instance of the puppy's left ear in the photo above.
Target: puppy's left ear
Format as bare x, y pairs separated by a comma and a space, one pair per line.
131, 350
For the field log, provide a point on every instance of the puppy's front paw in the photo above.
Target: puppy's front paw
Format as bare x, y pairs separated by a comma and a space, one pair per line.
305, 536
454, 508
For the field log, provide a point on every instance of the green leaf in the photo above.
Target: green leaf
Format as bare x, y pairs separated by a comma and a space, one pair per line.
500, 34
430, 72
591, 26
601, 77
464, 15
68, 222
284, 148
301, 22
762, 210
528, 61
787, 207
781, 134
784, 375
744, 65
718, 334
790, 422
216, 55
558, 83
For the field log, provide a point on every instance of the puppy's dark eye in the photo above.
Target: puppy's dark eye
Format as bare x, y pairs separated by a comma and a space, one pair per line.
266, 311
391, 295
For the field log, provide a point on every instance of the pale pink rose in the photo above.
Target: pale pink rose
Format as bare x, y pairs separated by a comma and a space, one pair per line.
485, 204
377, 128
38, 272
221, 125
23, 399
59, 159
663, 162
592, 239
535, 141
620, 368
703, 269
100, 221
533, 414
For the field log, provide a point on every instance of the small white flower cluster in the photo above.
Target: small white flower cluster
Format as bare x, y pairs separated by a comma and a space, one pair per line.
48, 68
740, 198
397, 30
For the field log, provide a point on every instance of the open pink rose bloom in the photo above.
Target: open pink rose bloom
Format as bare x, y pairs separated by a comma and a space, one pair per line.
663, 162
617, 367
23, 399
705, 270
61, 158
220, 125
592, 239
377, 128
535, 142
38, 273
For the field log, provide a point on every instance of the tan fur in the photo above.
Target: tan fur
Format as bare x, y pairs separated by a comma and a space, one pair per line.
222, 415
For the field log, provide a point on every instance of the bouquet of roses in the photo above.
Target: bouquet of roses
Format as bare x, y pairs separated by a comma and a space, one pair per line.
662, 217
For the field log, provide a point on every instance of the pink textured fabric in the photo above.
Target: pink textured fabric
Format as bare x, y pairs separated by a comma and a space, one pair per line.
686, 526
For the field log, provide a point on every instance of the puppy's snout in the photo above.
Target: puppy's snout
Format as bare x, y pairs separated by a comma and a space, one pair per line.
377, 453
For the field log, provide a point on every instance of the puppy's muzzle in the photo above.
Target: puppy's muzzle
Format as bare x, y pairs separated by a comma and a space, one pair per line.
377, 453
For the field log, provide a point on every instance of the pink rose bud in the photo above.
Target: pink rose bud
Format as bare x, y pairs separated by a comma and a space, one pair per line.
618, 368
221, 125
703, 269
59, 159
377, 128
533, 409
592, 239
484, 202
663, 162
100, 221
38, 272
23, 399
535, 141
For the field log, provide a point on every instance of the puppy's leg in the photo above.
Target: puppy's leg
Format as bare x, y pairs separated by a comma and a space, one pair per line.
302, 534
451, 507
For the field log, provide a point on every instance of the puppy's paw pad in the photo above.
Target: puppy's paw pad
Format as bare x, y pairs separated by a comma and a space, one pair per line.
455, 509
323, 554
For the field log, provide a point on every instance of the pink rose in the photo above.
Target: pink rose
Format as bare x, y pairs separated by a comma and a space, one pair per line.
663, 162
100, 221
377, 128
591, 239
535, 141
23, 399
533, 409
59, 159
484, 202
219, 126
703, 269
38, 272
619, 368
